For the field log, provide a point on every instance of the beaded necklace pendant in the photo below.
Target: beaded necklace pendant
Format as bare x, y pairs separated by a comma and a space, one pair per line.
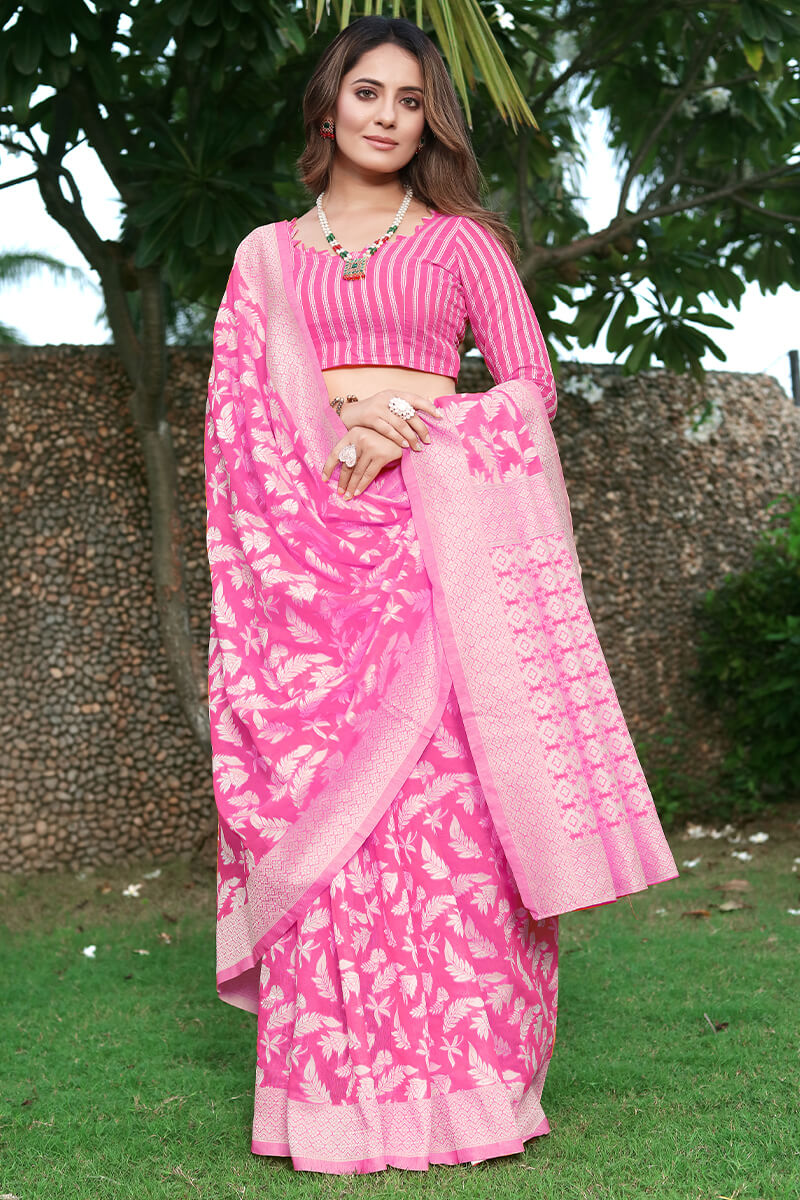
355, 266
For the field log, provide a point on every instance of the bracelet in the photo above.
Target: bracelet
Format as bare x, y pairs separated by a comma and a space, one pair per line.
337, 402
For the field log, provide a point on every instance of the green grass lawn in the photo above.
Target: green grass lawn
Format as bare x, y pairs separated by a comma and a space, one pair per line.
124, 1076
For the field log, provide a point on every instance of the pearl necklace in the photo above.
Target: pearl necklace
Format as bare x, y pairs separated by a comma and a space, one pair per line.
355, 265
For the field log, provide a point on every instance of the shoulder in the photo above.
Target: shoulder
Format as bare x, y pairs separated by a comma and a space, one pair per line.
475, 237
257, 250
257, 239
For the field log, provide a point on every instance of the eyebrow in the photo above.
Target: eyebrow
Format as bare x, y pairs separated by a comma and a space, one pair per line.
377, 83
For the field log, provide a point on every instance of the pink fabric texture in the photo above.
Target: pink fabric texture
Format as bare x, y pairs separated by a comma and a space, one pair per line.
409, 1017
352, 643
412, 306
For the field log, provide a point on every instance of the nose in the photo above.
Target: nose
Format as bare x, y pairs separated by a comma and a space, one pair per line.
386, 111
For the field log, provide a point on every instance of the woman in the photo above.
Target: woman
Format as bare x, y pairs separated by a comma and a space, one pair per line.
419, 759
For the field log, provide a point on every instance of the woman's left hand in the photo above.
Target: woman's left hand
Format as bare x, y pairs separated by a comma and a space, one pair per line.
374, 452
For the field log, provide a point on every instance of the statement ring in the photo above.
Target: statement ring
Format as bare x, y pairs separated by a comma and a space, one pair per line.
401, 408
348, 455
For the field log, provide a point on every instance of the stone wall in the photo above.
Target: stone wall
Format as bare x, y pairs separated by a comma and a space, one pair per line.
99, 765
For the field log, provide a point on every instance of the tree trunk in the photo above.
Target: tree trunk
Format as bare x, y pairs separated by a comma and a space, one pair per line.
144, 359
148, 411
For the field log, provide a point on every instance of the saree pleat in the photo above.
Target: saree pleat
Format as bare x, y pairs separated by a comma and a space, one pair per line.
409, 1017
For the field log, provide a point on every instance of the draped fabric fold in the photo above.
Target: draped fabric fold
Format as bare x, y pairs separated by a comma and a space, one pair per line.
337, 629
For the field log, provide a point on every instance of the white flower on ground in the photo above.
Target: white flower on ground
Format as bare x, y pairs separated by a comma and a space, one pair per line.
132, 889
152, 874
793, 912
141, 952
718, 98
691, 862
719, 833
586, 387
89, 951
742, 855
757, 838
695, 831
661, 912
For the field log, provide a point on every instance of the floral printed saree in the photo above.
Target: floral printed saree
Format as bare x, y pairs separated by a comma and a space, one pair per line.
419, 760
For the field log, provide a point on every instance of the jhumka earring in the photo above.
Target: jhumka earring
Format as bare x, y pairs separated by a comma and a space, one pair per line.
421, 144
326, 128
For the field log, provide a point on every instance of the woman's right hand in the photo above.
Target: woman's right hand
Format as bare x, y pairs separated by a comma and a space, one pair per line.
374, 452
373, 412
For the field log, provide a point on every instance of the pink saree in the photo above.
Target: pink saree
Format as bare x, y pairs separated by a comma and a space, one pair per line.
419, 760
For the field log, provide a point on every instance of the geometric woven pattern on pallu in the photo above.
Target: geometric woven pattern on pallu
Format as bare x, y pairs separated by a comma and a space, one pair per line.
555, 758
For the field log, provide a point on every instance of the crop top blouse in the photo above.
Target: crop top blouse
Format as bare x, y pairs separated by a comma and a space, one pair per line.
411, 309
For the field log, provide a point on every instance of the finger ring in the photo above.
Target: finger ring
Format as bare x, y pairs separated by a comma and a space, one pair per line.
401, 408
348, 455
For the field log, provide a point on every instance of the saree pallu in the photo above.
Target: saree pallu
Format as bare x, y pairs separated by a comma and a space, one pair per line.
419, 760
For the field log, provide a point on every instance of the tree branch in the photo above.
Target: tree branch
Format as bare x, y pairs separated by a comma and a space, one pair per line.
21, 179
545, 256
98, 133
765, 212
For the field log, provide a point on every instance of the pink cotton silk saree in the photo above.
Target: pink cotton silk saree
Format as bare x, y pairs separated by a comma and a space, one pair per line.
419, 760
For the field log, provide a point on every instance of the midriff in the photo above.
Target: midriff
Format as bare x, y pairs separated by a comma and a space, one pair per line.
363, 381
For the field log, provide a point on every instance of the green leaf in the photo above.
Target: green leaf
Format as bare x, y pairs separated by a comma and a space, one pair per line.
197, 221
617, 335
640, 353
177, 11
753, 22
203, 12
754, 53
27, 46
701, 318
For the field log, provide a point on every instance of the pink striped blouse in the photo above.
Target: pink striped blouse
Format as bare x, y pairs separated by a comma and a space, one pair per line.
412, 307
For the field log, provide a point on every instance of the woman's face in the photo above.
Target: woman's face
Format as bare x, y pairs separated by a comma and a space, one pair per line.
380, 96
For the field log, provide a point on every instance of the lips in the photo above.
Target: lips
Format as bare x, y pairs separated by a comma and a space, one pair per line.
382, 141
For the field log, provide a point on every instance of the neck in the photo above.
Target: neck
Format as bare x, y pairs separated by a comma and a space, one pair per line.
351, 192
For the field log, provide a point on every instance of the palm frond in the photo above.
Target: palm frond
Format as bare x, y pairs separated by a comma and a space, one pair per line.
18, 266
10, 337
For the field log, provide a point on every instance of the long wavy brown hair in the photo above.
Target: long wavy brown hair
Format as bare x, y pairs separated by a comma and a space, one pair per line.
444, 174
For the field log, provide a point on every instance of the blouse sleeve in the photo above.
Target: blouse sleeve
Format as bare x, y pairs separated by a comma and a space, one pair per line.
500, 313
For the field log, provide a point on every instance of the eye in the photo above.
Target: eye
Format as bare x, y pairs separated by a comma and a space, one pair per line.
414, 102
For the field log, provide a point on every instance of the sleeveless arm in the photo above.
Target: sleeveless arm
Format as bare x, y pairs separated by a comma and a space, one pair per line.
499, 310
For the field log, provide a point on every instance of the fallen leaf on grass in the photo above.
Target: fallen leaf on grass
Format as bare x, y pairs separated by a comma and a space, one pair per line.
696, 912
692, 862
733, 885
164, 937
732, 905
141, 952
716, 1025
103, 888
